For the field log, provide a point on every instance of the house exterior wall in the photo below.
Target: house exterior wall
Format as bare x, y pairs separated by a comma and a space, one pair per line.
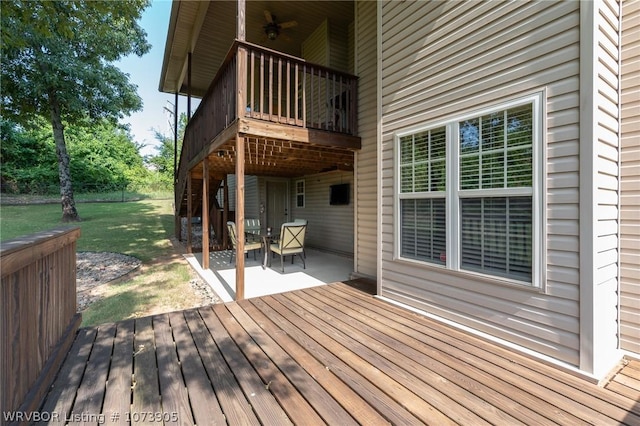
366, 188
630, 180
315, 48
251, 205
330, 227
443, 59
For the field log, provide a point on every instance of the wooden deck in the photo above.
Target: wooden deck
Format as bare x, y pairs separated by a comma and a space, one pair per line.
327, 355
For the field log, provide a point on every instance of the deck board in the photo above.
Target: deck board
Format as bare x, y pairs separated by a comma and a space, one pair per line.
325, 355
91, 390
118, 388
175, 398
206, 407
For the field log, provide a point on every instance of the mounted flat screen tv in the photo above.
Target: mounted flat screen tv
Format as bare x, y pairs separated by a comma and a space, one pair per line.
339, 194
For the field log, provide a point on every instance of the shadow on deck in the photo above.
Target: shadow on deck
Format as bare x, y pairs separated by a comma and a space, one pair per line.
322, 355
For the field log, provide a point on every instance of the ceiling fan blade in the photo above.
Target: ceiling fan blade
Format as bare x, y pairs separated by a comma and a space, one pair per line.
288, 24
268, 16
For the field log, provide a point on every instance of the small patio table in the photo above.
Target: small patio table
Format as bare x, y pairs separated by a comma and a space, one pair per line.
267, 239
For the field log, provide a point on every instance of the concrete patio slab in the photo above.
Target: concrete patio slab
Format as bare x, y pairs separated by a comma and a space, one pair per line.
321, 268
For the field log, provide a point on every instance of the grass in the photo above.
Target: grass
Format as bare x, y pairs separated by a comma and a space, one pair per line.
141, 229
157, 288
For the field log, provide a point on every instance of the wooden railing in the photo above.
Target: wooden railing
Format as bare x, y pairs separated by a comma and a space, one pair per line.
279, 88
38, 318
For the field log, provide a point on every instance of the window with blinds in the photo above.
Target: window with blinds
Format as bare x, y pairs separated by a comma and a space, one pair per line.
496, 189
300, 193
475, 200
423, 196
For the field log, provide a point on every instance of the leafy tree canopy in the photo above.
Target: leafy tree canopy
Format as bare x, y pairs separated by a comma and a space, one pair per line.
103, 157
56, 63
64, 50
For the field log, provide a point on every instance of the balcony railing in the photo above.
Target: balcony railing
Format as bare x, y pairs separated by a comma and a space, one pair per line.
278, 88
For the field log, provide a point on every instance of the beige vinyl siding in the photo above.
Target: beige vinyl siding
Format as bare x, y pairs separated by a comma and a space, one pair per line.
330, 228
250, 195
251, 202
630, 179
315, 48
442, 59
339, 47
367, 158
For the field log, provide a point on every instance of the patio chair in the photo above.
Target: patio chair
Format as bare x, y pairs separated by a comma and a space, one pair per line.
298, 220
252, 229
291, 242
248, 245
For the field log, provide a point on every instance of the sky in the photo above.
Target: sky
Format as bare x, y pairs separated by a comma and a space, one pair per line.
145, 73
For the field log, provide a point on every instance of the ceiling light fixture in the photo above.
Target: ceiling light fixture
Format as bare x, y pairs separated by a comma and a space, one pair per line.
271, 29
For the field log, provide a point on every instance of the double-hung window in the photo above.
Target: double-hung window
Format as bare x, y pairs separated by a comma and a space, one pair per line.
422, 173
468, 192
300, 193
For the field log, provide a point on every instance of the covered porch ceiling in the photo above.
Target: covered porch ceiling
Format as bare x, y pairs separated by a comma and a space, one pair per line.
208, 28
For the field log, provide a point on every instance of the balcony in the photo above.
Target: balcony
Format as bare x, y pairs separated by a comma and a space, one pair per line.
294, 118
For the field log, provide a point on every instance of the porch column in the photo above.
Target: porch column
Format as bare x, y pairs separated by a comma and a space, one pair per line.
175, 139
205, 214
189, 214
189, 87
225, 213
241, 70
177, 220
239, 217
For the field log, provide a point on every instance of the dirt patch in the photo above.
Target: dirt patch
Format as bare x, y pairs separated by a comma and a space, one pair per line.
96, 271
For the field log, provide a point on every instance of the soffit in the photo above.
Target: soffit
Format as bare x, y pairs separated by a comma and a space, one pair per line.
210, 28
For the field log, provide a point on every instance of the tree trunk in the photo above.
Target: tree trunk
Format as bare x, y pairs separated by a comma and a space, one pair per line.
69, 212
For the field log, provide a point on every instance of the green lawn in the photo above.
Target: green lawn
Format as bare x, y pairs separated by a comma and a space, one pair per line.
140, 229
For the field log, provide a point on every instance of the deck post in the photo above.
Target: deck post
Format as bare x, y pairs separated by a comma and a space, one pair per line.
189, 214
189, 87
177, 219
240, 217
225, 213
240, 105
205, 214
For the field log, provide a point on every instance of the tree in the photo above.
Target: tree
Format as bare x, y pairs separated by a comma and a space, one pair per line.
163, 161
57, 63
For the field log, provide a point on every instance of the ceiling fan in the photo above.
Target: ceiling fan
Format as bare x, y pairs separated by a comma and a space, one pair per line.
272, 28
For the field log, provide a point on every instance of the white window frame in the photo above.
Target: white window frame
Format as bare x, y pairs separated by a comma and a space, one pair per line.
454, 194
301, 193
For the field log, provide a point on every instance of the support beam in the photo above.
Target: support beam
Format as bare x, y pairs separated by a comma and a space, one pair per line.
205, 214
240, 217
175, 139
225, 213
189, 214
240, 105
177, 224
189, 87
